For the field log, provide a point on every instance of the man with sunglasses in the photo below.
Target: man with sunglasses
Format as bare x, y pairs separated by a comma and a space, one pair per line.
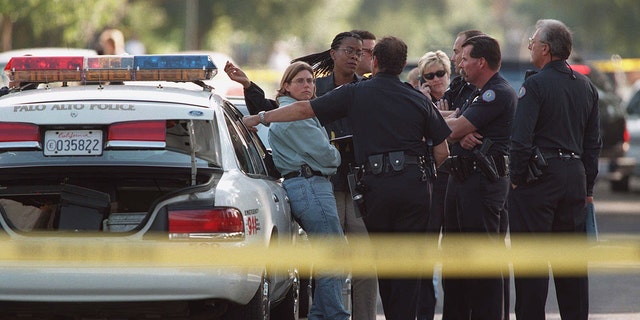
478, 186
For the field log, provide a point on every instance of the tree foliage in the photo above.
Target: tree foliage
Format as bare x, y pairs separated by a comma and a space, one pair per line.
248, 29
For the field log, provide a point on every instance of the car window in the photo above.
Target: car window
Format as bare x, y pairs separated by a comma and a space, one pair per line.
633, 108
249, 158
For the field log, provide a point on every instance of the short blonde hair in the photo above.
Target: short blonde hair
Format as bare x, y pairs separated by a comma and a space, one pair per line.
430, 58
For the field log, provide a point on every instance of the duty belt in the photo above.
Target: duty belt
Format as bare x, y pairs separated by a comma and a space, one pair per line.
392, 161
305, 171
559, 153
465, 166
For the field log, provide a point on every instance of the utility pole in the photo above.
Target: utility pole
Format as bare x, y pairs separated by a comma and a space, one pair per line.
191, 25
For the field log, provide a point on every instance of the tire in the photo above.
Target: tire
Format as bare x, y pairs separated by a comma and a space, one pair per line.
289, 308
259, 308
621, 185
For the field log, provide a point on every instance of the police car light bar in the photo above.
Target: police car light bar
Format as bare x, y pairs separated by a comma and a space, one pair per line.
177, 68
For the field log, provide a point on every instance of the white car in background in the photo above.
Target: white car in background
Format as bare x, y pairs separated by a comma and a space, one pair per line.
115, 161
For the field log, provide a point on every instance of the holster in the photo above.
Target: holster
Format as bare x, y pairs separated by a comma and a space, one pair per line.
485, 163
431, 170
537, 163
357, 189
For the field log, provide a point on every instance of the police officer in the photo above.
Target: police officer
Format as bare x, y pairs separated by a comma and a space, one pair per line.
390, 123
557, 114
478, 183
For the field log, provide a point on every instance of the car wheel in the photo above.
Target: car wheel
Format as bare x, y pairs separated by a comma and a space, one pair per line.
621, 185
258, 308
289, 308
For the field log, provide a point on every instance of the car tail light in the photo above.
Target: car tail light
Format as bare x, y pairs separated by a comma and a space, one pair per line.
19, 135
582, 69
216, 223
11, 132
137, 134
626, 137
138, 131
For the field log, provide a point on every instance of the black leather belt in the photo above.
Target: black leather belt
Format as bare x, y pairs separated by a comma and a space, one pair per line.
559, 153
305, 171
501, 161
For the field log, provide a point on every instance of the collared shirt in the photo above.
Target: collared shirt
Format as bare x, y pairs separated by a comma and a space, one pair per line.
557, 109
458, 92
491, 111
302, 142
385, 115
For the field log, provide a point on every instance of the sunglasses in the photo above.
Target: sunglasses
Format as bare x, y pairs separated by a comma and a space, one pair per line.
431, 75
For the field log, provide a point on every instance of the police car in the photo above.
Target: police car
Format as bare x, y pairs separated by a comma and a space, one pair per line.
102, 150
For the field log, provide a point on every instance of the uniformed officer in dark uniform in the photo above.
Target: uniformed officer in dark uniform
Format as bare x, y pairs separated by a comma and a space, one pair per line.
478, 183
390, 122
557, 114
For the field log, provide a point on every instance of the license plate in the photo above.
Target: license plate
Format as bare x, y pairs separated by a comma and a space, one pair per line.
73, 143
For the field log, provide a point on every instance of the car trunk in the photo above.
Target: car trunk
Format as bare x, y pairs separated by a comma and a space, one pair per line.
90, 199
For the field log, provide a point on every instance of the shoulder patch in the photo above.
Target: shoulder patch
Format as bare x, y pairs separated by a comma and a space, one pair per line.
522, 92
488, 96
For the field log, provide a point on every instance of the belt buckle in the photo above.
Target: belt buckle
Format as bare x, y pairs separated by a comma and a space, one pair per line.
306, 171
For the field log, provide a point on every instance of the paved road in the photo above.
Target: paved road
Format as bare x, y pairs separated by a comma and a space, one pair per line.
614, 295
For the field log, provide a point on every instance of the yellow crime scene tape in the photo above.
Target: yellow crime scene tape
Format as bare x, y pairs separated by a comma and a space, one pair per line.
618, 64
389, 256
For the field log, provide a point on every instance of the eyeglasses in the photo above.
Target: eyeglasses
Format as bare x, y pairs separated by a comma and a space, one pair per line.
431, 75
367, 51
301, 81
532, 40
351, 52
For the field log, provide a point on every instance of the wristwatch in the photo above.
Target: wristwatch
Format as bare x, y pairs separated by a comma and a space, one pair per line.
262, 120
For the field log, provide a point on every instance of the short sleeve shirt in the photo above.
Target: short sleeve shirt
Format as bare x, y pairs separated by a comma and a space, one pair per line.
491, 111
385, 115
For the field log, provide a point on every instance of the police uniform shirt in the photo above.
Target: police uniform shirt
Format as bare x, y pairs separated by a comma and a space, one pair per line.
338, 129
385, 115
491, 112
458, 93
557, 109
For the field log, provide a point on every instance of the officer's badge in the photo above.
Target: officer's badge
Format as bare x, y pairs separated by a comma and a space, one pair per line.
522, 92
488, 96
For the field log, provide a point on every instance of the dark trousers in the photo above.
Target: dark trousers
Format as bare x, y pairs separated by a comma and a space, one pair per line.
552, 205
427, 297
397, 203
475, 206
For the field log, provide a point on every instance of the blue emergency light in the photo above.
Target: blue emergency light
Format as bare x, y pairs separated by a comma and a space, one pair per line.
177, 68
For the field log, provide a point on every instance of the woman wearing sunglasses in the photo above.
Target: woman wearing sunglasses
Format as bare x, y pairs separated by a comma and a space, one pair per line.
434, 71
435, 74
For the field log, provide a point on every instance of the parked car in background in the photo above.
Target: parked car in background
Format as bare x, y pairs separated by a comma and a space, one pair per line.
616, 161
136, 163
633, 125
